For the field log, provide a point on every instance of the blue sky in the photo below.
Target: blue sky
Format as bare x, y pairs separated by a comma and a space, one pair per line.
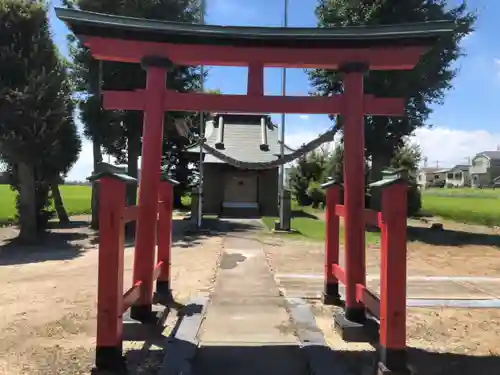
465, 124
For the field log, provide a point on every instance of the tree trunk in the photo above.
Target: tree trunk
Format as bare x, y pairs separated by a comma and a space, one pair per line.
58, 203
379, 163
27, 204
97, 154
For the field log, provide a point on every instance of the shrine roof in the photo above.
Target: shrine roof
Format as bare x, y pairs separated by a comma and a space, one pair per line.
84, 23
242, 139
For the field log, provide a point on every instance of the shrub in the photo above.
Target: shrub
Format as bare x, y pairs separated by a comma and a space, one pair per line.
316, 194
414, 200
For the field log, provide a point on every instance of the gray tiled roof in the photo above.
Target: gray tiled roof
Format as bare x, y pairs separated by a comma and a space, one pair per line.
242, 139
460, 167
98, 24
429, 170
493, 155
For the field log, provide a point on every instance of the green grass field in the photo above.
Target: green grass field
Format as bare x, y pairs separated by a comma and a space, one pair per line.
314, 229
76, 200
464, 193
472, 206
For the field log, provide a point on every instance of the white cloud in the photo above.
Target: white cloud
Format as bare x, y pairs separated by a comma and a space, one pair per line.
451, 146
442, 144
304, 117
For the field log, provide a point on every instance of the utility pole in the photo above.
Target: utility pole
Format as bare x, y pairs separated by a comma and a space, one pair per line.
281, 180
202, 130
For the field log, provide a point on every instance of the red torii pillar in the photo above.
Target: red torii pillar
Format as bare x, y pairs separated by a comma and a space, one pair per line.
355, 105
354, 186
149, 183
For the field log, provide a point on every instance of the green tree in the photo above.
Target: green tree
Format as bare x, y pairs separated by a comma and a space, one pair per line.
35, 110
423, 86
335, 164
407, 156
306, 176
119, 132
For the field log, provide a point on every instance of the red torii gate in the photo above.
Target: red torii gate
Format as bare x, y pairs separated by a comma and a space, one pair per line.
159, 46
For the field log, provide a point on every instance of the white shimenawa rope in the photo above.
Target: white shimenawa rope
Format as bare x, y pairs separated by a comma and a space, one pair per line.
328, 136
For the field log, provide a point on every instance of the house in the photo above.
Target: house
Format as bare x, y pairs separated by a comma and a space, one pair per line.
485, 168
431, 177
428, 177
458, 176
230, 191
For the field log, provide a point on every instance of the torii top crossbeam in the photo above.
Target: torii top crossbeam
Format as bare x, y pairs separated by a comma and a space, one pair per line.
125, 39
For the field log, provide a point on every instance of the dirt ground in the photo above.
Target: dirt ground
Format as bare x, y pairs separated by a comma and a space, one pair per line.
48, 319
440, 340
458, 250
47, 325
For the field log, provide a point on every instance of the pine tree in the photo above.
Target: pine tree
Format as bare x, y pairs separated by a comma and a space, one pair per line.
424, 86
119, 132
35, 109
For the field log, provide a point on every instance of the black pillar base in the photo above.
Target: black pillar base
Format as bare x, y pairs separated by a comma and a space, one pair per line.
393, 362
350, 331
109, 360
331, 295
163, 292
144, 314
356, 314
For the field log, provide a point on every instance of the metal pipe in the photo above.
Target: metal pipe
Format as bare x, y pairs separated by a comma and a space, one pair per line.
281, 179
263, 133
220, 133
202, 130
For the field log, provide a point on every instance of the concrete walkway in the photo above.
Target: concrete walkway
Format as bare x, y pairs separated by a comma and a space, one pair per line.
423, 291
247, 329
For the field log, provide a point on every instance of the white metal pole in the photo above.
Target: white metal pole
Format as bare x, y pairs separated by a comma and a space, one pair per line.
202, 130
281, 180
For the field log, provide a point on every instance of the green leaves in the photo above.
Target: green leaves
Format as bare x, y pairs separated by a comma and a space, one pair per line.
424, 86
37, 129
35, 93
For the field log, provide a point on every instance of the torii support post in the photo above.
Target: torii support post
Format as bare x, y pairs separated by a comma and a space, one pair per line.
354, 195
165, 238
331, 295
392, 345
110, 306
149, 184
